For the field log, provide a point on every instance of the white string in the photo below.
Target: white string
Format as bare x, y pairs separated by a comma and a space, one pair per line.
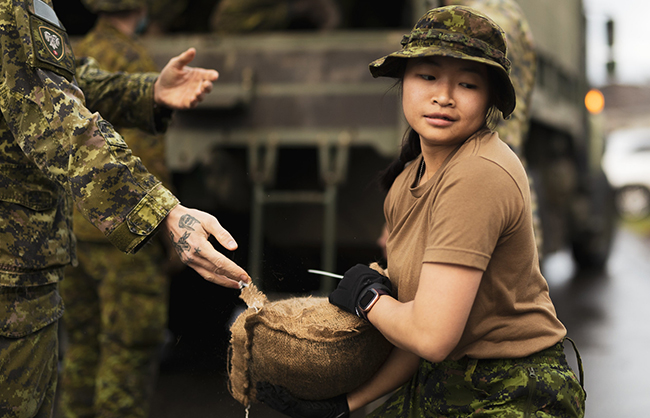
248, 409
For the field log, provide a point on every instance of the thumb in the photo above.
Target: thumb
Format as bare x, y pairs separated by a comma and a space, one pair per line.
184, 58
214, 228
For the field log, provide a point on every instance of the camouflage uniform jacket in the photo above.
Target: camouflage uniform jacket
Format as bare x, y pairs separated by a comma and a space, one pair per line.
115, 51
55, 153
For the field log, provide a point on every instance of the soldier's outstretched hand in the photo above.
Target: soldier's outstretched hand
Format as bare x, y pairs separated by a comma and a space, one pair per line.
189, 231
182, 87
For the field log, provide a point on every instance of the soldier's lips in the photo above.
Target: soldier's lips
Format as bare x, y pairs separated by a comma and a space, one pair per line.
439, 119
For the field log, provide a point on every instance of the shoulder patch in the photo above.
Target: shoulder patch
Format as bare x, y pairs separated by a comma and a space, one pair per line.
51, 47
53, 42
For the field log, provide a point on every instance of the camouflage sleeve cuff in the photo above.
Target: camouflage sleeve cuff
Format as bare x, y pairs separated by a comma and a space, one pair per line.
143, 220
145, 109
162, 117
157, 117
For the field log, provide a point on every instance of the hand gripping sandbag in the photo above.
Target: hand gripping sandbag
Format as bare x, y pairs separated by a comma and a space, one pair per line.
309, 346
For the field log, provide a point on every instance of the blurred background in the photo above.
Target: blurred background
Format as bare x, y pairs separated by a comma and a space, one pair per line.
286, 149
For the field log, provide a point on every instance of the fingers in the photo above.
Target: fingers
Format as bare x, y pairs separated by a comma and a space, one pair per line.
216, 268
193, 102
214, 228
216, 278
181, 61
199, 94
206, 87
184, 58
189, 230
209, 75
220, 265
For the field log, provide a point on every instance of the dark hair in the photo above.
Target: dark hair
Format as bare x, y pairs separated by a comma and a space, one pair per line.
411, 147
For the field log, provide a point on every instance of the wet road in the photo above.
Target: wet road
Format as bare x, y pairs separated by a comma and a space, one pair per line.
607, 315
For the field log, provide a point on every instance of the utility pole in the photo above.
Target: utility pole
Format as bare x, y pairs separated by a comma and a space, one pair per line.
611, 63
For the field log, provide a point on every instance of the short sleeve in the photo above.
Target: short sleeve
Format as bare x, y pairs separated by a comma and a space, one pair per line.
477, 205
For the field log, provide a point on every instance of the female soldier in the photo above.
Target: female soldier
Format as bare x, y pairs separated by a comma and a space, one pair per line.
474, 329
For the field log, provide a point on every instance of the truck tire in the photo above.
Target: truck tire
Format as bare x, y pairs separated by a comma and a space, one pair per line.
592, 239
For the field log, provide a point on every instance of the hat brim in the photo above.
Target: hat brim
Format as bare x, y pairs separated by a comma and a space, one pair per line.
392, 65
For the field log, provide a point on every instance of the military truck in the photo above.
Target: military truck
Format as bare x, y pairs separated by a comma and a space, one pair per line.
288, 143
565, 143
285, 149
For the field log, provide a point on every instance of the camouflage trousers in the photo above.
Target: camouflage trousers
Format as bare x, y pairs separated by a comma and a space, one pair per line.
541, 385
115, 319
28, 350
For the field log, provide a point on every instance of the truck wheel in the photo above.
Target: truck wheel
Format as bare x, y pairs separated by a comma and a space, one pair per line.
591, 249
633, 202
594, 225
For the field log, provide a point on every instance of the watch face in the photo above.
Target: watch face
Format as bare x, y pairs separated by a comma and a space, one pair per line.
366, 299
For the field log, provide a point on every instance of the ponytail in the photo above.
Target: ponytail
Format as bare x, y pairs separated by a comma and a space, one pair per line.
411, 148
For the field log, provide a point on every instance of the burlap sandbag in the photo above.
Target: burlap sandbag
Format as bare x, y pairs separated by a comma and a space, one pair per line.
305, 344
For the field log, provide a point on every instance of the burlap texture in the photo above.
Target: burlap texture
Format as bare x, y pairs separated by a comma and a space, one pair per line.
305, 344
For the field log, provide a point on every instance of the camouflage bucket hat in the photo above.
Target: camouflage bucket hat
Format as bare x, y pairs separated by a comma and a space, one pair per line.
457, 32
96, 6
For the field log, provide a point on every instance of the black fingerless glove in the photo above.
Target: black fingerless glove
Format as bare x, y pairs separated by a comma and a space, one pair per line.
359, 286
279, 398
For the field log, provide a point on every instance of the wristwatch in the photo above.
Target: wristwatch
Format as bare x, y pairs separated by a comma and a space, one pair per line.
368, 300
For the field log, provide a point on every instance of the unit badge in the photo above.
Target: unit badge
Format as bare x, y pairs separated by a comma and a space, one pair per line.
52, 41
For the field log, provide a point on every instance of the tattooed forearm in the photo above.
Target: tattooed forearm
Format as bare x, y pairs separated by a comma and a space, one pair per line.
188, 222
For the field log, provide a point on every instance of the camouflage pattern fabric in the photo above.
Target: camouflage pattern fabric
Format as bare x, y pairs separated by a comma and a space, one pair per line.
123, 98
456, 32
29, 351
116, 312
117, 52
116, 304
53, 152
541, 385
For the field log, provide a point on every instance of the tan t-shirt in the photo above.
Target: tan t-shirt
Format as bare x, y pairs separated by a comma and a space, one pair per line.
475, 211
